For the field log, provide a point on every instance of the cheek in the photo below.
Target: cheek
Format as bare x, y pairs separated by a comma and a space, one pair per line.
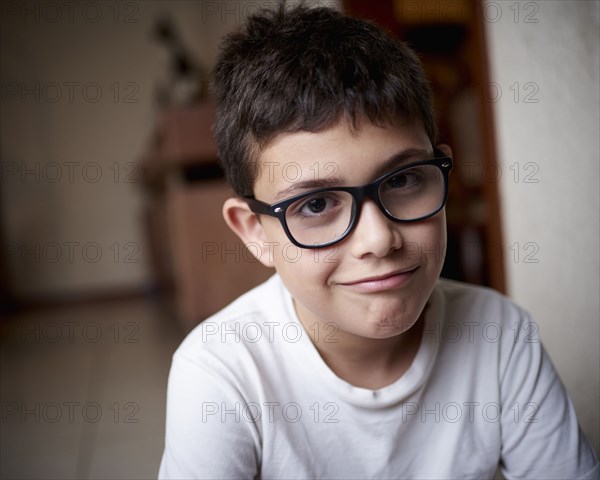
276, 247
427, 241
305, 269
435, 251
302, 268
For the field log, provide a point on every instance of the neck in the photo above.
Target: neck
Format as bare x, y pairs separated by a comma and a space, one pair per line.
367, 362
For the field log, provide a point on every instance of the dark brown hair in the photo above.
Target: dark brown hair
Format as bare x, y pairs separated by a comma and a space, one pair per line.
304, 69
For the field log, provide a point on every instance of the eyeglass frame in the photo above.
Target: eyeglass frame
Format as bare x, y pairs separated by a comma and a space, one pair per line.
358, 193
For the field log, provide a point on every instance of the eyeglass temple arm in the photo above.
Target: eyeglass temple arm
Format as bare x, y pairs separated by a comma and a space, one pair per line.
257, 206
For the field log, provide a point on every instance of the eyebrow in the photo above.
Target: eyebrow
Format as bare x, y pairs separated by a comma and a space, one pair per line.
406, 156
394, 161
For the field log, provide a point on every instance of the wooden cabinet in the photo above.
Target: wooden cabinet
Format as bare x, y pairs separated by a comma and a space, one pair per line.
199, 264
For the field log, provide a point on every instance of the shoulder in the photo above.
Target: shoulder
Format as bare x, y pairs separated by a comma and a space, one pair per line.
215, 373
235, 336
466, 301
456, 291
483, 318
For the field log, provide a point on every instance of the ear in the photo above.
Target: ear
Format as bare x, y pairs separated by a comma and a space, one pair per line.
246, 225
445, 148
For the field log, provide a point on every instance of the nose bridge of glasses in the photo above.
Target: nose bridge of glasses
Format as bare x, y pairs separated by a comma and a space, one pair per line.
370, 192
367, 192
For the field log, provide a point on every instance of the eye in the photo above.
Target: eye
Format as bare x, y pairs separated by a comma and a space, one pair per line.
316, 205
403, 180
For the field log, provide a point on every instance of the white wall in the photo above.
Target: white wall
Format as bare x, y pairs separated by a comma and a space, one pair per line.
66, 74
77, 87
557, 217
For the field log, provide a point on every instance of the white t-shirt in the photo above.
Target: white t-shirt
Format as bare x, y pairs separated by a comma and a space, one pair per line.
250, 397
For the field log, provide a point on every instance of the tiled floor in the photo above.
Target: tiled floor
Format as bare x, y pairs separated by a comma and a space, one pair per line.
82, 391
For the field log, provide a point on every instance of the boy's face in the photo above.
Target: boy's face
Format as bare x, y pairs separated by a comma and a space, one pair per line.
330, 284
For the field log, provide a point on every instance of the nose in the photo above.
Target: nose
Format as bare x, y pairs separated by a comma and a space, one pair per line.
374, 234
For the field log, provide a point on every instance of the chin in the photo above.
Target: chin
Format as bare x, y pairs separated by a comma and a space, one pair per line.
389, 326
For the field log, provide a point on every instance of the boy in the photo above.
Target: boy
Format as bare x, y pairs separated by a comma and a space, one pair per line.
355, 360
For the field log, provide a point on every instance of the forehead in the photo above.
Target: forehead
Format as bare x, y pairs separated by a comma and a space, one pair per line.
300, 161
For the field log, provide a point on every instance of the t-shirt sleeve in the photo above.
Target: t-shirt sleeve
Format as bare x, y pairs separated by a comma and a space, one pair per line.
540, 434
206, 434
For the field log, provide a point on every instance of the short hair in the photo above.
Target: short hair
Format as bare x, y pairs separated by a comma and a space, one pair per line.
304, 69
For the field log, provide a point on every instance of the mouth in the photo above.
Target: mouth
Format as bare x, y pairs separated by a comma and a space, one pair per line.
379, 283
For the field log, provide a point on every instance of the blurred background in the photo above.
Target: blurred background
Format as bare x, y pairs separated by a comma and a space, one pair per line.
113, 246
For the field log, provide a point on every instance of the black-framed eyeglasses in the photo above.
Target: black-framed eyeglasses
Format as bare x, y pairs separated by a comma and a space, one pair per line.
325, 216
